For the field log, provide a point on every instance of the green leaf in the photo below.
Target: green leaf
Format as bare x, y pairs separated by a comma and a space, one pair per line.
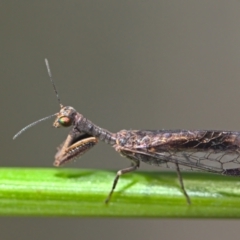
82, 192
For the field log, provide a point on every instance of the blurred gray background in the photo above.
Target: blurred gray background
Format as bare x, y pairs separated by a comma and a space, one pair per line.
123, 64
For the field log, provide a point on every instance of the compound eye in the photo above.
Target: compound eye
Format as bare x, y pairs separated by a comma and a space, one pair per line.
65, 121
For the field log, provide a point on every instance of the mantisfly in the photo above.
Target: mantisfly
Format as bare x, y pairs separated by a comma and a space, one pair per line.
200, 150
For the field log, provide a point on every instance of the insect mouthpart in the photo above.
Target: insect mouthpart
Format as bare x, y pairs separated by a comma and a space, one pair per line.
74, 147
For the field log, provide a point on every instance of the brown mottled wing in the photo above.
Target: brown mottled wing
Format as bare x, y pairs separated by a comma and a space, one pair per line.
211, 151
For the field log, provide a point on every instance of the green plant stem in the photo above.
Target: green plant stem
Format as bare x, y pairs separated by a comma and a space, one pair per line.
81, 192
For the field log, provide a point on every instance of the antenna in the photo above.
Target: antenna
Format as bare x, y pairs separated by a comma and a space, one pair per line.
32, 124
43, 119
51, 78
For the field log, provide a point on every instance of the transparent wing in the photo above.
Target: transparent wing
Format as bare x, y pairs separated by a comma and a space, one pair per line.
208, 161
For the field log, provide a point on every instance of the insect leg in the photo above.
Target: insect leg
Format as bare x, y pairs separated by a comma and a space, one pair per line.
181, 183
135, 164
68, 150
